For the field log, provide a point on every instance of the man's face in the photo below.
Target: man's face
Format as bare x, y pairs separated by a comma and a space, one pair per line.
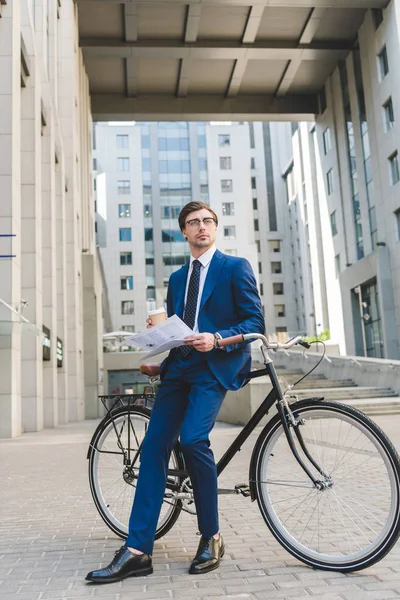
200, 235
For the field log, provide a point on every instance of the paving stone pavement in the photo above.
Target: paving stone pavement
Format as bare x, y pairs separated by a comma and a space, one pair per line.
51, 535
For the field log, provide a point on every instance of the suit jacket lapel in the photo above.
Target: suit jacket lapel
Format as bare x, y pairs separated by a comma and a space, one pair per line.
214, 269
180, 289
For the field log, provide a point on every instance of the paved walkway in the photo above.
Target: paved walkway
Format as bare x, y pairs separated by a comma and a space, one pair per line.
51, 535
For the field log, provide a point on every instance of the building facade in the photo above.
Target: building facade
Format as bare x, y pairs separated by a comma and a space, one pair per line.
50, 290
356, 152
147, 172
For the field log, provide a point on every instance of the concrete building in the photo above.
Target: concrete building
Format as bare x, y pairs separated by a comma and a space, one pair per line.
356, 152
50, 363
151, 171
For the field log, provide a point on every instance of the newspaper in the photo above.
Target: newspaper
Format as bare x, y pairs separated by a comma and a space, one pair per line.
161, 338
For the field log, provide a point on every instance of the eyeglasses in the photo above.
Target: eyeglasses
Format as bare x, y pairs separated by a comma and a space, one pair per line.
195, 223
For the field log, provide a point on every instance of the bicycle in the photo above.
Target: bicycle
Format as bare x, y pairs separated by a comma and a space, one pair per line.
324, 475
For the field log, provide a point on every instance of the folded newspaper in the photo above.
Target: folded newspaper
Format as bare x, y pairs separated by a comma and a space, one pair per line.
161, 338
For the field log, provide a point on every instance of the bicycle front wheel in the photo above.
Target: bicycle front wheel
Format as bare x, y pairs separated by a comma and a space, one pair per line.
353, 522
113, 483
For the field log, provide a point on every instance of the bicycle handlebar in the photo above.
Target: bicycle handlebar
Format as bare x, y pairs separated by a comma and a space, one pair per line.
237, 339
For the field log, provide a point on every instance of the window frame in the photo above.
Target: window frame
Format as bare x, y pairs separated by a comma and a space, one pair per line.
388, 114
221, 163
132, 302
126, 277
394, 167
224, 140
125, 229
383, 62
123, 216
122, 137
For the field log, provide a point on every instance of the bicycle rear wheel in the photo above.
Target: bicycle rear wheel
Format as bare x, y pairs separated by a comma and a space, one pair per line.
112, 485
349, 525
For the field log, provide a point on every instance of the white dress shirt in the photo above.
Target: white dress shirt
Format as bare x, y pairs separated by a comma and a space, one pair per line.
205, 260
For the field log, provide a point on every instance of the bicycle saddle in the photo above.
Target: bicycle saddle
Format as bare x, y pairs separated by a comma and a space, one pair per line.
150, 369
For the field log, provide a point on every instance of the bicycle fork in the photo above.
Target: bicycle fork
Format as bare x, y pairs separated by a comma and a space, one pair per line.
290, 422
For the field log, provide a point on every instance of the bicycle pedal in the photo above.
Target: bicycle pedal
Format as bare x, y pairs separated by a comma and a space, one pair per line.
243, 488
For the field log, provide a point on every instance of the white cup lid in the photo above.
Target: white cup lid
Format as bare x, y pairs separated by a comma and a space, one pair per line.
157, 311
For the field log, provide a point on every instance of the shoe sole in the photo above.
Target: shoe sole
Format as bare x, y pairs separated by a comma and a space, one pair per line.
139, 573
207, 569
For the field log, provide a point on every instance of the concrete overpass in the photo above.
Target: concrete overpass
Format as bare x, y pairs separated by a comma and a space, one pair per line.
214, 59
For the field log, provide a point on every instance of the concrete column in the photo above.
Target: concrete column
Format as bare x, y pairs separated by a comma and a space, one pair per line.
386, 303
31, 240
68, 101
62, 372
10, 218
50, 403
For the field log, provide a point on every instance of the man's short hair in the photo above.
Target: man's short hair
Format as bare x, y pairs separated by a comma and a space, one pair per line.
192, 207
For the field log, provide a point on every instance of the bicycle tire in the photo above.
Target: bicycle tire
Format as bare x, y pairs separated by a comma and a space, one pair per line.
353, 535
114, 507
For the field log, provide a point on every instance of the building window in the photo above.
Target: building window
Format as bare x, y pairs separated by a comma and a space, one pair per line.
252, 163
232, 252
397, 215
224, 140
274, 245
122, 164
124, 186
326, 136
170, 212
127, 283
383, 63
279, 310
127, 307
278, 289
128, 328
253, 183
125, 234
258, 244
230, 232
261, 289
147, 210
333, 223
394, 168
276, 268
281, 329
256, 226
377, 17
255, 204
225, 163
337, 265
122, 141
125, 258
329, 182
124, 210
226, 185
228, 209
388, 114
260, 267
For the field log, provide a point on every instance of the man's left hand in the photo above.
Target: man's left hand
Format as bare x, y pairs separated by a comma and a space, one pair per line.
203, 342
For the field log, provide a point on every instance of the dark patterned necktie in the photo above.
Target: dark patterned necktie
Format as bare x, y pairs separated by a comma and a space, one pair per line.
191, 303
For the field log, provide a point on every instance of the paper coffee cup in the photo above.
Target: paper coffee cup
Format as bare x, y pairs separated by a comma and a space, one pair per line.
157, 316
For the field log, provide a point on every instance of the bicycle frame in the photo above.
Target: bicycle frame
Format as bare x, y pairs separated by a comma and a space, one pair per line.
288, 422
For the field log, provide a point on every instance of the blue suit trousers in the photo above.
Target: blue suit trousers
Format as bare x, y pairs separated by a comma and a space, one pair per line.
187, 403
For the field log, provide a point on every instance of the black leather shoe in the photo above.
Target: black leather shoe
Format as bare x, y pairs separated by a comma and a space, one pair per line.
124, 564
209, 554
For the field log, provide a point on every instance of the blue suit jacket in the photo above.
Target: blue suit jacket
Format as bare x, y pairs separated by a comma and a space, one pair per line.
229, 305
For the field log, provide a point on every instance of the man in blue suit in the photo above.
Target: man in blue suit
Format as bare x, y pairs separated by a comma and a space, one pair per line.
216, 295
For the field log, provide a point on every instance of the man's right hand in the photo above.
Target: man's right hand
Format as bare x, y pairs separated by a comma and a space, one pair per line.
149, 324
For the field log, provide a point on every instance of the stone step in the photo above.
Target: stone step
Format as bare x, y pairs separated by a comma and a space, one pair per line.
351, 393
376, 406
324, 384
